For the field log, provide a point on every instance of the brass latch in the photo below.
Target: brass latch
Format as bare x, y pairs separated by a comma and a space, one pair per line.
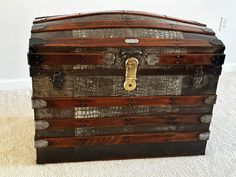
131, 65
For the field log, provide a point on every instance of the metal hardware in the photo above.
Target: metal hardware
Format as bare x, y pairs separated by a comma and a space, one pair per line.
131, 65
173, 100
198, 77
38, 103
204, 136
38, 27
210, 99
208, 30
109, 58
35, 71
131, 41
206, 119
36, 41
216, 42
40, 144
34, 59
41, 125
83, 142
127, 53
218, 60
152, 59
57, 80
126, 140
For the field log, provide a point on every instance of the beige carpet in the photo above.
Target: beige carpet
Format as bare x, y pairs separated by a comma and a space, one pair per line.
17, 154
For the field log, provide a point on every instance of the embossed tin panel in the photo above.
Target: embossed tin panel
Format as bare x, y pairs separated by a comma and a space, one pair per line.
75, 86
127, 33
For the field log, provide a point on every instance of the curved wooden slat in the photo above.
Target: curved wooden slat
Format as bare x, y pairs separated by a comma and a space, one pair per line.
62, 17
119, 24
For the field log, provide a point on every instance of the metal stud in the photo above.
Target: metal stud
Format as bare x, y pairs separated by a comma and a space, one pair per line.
109, 58
41, 144
152, 59
210, 99
206, 119
41, 125
38, 103
204, 136
131, 41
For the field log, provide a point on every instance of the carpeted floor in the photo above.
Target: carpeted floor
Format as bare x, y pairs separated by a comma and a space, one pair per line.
17, 154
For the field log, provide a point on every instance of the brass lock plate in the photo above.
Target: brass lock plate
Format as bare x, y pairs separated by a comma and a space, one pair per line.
131, 65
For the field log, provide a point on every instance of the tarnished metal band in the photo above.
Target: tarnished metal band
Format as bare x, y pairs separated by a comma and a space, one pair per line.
208, 30
41, 125
206, 119
210, 99
36, 41
41, 143
216, 42
38, 103
204, 136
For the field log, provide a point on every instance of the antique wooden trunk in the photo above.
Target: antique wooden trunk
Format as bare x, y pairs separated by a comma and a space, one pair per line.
122, 84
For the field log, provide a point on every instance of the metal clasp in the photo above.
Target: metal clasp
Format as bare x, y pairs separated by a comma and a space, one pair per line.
199, 77
57, 80
131, 65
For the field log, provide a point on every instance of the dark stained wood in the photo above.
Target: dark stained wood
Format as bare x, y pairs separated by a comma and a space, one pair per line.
122, 139
121, 121
122, 151
120, 42
114, 130
125, 101
98, 58
198, 59
119, 24
62, 17
71, 58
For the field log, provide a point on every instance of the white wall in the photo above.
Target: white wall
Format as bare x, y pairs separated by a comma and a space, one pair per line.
16, 18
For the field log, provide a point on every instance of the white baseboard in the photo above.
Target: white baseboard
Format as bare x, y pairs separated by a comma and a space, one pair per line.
229, 68
13, 84
25, 83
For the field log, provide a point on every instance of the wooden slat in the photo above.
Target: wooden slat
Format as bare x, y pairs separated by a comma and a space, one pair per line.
120, 42
119, 24
121, 139
62, 17
130, 129
121, 121
126, 101
98, 59
70, 58
122, 151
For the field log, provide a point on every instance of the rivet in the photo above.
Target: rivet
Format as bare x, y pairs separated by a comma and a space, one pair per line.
204, 136
41, 143
206, 118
